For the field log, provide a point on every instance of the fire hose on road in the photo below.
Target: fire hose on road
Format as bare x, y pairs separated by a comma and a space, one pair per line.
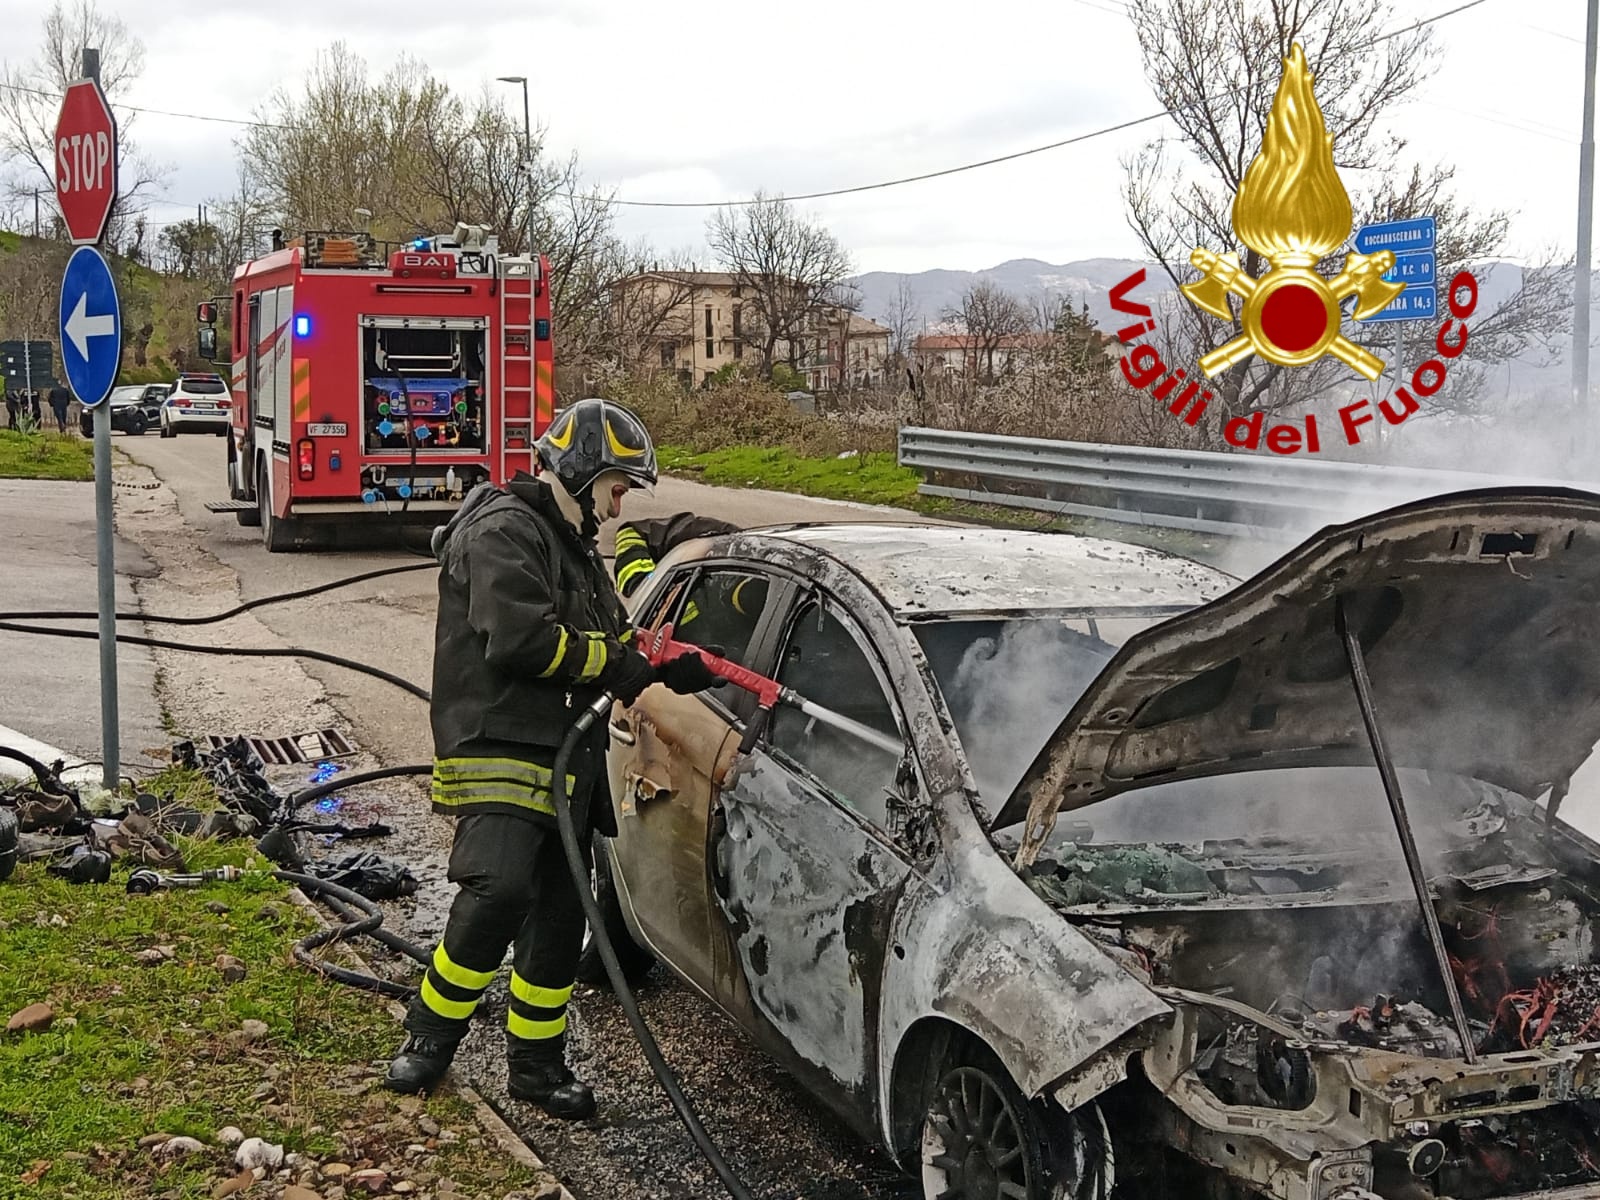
361, 916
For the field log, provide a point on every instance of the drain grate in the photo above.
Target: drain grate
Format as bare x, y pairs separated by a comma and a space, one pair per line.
300, 748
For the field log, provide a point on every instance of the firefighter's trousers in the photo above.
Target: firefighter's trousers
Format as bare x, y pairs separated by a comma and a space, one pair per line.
514, 889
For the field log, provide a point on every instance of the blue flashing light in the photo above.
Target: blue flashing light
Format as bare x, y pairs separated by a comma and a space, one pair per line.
302, 325
420, 244
333, 460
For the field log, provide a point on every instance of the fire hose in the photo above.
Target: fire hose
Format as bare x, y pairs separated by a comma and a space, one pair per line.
362, 916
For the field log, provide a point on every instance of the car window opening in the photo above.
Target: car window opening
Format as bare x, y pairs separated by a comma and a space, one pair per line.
721, 612
824, 663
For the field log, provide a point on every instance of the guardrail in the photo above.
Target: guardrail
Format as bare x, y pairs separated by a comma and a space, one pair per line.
1239, 495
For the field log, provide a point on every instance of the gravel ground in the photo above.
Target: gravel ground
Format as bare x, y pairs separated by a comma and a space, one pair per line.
784, 1144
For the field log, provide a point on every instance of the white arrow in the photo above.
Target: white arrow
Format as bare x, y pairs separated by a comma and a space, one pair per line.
81, 326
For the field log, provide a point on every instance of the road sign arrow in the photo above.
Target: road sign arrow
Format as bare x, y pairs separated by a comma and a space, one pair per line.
81, 326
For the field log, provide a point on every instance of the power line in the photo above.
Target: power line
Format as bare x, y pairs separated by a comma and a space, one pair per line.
989, 162
845, 191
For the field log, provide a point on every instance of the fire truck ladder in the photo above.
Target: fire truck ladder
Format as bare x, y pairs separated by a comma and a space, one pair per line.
517, 405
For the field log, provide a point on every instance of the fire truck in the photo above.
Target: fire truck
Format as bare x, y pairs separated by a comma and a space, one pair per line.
376, 382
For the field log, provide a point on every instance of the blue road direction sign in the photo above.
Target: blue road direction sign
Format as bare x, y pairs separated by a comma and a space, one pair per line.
91, 326
1403, 237
1412, 242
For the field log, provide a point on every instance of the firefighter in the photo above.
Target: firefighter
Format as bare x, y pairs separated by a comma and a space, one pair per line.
641, 544
737, 603
530, 632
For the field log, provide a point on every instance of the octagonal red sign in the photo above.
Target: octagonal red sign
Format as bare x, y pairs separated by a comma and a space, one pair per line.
86, 161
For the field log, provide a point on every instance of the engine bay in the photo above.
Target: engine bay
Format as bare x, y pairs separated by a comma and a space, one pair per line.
1289, 951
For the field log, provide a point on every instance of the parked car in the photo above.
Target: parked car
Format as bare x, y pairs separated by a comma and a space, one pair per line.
1095, 890
155, 394
198, 401
132, 410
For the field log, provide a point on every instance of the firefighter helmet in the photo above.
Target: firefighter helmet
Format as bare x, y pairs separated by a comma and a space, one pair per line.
594, 436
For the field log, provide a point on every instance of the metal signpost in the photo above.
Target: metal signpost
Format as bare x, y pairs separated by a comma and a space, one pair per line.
1412, 241
91, 339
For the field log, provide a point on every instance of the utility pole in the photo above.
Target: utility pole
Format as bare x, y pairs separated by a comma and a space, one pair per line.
527, 151
1580, 289
37, 192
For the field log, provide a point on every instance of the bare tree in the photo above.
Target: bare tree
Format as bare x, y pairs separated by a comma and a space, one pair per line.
1215, 65
904, 320
789, 269
30, 101
988, 316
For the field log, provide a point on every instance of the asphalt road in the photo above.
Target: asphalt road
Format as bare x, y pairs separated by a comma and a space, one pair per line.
784, 1143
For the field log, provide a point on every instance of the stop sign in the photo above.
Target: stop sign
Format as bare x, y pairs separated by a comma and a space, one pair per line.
86, 161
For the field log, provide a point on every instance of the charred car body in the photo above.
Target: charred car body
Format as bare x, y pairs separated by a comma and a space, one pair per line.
1121, 878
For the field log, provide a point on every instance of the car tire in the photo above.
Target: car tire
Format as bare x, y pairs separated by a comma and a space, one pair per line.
166, 430
635, 961
278, 534
981, 1137
136, 425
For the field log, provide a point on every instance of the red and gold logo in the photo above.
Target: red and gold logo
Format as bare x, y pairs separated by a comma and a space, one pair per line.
1292, 209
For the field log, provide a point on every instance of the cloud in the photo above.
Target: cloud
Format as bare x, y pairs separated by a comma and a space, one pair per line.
731, 97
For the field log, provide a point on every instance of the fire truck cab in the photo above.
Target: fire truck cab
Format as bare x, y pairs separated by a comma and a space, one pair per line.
375, 383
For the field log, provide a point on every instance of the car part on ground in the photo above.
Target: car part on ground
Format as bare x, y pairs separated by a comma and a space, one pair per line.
9, 838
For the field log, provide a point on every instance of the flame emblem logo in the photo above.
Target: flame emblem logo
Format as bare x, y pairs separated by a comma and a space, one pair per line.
1292, 210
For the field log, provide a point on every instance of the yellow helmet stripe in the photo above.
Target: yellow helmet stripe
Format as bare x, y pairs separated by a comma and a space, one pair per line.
561, 436
617, 447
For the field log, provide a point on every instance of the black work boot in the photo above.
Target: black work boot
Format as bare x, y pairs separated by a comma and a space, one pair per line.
544, 1078
420, 1064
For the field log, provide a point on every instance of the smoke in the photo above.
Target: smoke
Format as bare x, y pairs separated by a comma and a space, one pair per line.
1008, 685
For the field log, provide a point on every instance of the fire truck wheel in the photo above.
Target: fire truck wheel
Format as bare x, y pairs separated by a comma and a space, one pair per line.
277, 533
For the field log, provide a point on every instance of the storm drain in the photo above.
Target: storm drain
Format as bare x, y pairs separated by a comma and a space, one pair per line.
300, 748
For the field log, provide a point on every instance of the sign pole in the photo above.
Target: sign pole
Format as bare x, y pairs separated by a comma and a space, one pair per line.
110, 719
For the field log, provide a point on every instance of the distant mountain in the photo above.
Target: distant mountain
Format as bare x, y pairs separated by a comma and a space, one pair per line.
1026, 278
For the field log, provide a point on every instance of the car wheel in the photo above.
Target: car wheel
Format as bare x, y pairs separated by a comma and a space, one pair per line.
982, 1140
166, 429
136, 424
277, 533
633, 958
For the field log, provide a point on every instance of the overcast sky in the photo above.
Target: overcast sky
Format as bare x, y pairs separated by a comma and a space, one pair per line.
724, 96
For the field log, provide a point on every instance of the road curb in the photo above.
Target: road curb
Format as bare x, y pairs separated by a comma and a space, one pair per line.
488, 1120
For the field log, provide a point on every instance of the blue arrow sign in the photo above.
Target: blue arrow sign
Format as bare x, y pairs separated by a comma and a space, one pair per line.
1414, 233
91, 326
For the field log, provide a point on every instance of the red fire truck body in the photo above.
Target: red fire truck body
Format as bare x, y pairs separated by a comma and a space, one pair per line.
372, 384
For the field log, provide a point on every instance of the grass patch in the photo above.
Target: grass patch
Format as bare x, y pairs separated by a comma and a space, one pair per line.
45, 456
866, 479
138, 1049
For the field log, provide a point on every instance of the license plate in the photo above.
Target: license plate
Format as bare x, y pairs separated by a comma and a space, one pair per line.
338, 430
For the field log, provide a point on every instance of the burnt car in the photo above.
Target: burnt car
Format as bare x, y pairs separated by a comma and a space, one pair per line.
1104, 874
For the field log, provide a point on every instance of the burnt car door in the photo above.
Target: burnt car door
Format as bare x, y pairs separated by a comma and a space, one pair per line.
804, 867
668, 753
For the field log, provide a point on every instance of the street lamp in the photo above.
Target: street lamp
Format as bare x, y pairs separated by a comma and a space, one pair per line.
527, 153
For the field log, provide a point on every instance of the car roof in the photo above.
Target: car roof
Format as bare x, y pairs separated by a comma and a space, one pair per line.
946, 570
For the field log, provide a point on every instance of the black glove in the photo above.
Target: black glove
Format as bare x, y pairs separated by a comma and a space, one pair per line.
628, 676
687, 673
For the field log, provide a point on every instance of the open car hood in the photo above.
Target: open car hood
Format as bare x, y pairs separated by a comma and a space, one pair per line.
1478, 615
